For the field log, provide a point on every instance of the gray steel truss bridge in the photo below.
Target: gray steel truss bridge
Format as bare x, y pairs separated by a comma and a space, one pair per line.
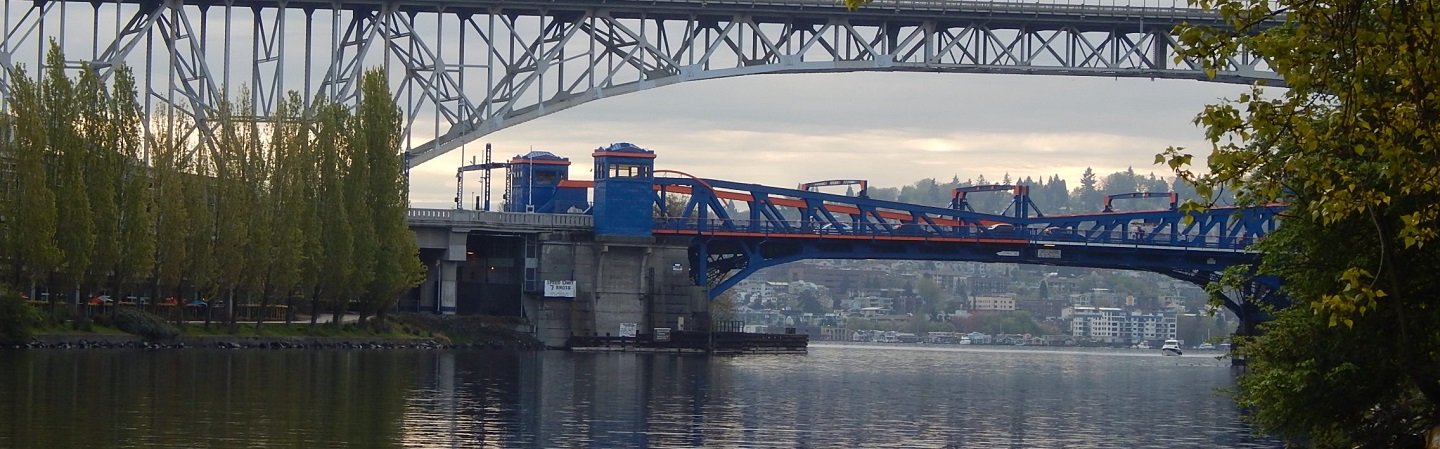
462, 69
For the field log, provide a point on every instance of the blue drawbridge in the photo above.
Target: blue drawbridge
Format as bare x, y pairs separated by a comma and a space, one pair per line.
735, 229
779, 225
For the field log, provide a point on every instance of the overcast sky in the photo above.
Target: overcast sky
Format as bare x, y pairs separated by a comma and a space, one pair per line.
890, 128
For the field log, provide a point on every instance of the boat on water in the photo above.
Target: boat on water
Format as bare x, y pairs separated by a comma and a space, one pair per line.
1143, 345
1171, 347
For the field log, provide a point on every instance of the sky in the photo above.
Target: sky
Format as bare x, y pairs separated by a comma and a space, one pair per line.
889, 128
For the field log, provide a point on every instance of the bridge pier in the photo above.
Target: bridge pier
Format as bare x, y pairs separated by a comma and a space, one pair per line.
617, 282
597, 283
455, 252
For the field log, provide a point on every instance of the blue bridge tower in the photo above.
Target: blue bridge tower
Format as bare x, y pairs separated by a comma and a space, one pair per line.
536, 183
624, 190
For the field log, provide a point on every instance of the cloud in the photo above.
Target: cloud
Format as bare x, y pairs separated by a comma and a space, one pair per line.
892, 129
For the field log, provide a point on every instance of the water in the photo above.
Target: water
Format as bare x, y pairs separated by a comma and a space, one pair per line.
835, 396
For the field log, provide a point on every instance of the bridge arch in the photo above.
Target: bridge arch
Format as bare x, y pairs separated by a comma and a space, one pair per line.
464, 69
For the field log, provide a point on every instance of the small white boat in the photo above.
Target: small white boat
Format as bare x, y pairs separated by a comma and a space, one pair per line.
1206, 346
1171, 347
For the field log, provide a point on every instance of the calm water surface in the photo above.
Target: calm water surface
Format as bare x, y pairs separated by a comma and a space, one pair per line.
835, 396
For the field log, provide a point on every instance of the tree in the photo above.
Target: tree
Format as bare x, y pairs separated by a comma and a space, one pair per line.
809, 302
232, 204
36, 253
136, 198
722, 308
929, 293
397, 265
59, 109
1350, 145
101, 176
334, 273
17, 319
289, 203
1086, 198
172, 215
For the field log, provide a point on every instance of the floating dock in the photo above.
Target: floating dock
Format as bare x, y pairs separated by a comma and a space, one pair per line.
697, 342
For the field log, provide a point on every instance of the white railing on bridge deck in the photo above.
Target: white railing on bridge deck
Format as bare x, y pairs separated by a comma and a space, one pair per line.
1175, 9
457, 217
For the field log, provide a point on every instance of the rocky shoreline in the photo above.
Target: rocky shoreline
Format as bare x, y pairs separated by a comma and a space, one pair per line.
229, 342
431, 333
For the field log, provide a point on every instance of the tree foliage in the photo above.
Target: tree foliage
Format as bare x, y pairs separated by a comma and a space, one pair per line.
309, 202
1350, 144
17, 320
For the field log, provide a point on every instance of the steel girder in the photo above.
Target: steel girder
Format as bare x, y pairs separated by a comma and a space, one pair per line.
462, 69
784, 225
789, 213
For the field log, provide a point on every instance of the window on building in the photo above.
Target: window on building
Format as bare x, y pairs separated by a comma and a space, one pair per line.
628, 171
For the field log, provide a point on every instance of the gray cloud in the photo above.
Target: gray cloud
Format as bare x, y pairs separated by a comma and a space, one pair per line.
892, 129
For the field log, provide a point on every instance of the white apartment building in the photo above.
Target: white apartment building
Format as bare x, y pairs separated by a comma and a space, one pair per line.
1116, 325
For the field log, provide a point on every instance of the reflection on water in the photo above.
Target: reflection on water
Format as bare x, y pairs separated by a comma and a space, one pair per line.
835, 396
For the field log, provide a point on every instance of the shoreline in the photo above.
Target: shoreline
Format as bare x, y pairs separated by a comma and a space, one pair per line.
87, 341
413, 332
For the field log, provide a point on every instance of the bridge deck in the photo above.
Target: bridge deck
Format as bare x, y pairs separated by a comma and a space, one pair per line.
1029, 12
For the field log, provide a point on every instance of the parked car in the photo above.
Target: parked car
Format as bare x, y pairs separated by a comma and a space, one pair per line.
1001, 230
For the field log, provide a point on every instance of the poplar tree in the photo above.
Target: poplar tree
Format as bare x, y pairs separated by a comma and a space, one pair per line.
9, 268
98, 138
199, 228
172, 222
256, 196
288, 202
310, 210
136, 198
397, 264
33, 212
76, 232
232, 203
359, 201
336, 241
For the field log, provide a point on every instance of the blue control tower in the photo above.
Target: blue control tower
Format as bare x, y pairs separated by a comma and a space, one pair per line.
534, 184
624, 190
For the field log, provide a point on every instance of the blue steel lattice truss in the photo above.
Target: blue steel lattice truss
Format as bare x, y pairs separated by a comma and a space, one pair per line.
784, 225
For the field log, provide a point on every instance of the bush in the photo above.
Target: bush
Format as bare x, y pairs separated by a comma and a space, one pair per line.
148, 326
17, 320
83, 325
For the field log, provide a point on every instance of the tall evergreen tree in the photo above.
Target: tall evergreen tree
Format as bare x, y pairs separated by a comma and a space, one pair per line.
1086, 198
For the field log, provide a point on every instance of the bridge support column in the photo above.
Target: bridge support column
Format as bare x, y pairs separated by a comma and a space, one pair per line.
447, 286
455, 253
